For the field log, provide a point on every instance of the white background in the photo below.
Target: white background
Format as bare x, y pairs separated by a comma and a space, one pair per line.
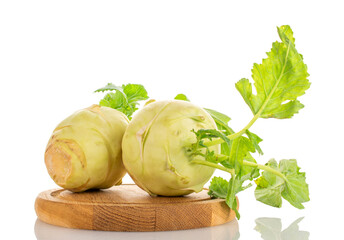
54, 54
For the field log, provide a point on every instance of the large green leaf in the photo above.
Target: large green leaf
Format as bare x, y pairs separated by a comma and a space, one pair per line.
279, 80
293, 187
296, 190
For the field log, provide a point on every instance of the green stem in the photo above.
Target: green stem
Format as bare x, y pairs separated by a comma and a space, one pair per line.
213, 142
265, 168
246, 163
213, 165
257, 115
221, 157
234, 135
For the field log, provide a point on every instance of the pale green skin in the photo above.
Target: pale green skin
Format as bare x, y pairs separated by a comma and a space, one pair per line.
154, 148
84, 151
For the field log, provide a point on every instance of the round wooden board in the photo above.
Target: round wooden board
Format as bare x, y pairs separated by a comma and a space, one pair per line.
128, 208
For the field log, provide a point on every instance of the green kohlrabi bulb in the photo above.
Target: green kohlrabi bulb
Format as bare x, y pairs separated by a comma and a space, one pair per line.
84, 151
155, 148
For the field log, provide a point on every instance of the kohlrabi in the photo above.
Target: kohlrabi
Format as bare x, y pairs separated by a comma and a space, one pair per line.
84, 151
154, 148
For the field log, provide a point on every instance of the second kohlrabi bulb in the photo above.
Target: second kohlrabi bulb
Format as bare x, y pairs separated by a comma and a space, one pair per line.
155, 148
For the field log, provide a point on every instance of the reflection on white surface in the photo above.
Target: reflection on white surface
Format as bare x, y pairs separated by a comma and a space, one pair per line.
271, 229
228, 231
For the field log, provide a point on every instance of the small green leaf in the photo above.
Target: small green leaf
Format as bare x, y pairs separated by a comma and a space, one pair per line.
202, 134
135, 93
113, 100
218, 188
182, 97
286, 34
255, 140
221, 121
111, 87
104, 103
125, 98
218, 116
245, 88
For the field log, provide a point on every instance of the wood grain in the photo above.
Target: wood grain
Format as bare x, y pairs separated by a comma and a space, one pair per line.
128, 208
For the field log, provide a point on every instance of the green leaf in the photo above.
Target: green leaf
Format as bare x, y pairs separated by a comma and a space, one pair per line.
221, 121
286, 34
218, 116
135, 93
113, 100
255, 140
241, 146
104, 102
271, 188
182, 97
112, 87
125, 98
218, 188
234, 187
279, 80
296, 189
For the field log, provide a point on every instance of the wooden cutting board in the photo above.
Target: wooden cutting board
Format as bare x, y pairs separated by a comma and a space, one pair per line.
128, 208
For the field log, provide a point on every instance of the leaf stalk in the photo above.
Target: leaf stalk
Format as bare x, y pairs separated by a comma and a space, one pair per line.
213, 165
265, 168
